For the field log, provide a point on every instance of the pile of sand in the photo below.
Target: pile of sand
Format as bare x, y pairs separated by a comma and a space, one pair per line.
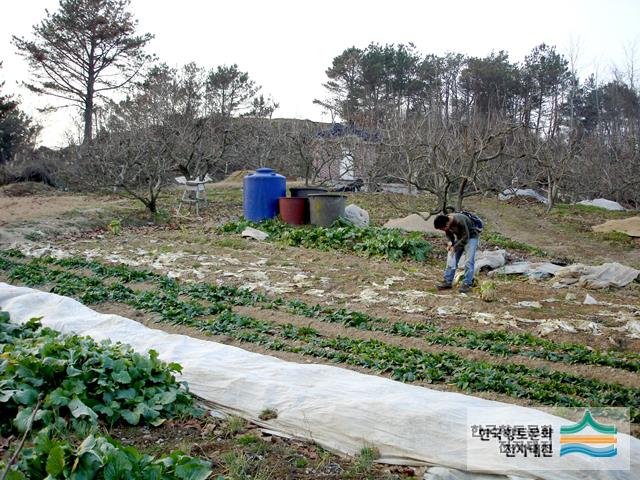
237, 176
630, 226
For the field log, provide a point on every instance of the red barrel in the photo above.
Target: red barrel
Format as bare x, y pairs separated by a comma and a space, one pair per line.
294, 210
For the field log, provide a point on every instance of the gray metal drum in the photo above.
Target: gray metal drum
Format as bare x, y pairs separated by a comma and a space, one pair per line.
326, 208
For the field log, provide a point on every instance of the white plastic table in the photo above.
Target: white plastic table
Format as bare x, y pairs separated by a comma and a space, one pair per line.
194, 193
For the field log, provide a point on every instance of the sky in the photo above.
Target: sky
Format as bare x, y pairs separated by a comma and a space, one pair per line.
286, 45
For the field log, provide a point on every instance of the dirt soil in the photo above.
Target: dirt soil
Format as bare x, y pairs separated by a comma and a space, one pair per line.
238, 449
20, 209
31, 211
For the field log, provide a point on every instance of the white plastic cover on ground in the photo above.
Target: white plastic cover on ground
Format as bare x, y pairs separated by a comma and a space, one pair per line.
630, 226
586, 276
487, 260
602, 203
254, 233
531, 269
440, 473
340, 409
509, 193
603, 276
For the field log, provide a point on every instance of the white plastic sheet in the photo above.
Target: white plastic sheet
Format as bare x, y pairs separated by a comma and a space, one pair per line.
254, 233
532, 269
602, 203
509, 193
596, 277
586, 276
340, 409
486, 260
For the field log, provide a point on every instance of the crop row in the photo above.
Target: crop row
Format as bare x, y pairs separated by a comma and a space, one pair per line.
410, 364
404, 364
393, 244
99, 457
499, 343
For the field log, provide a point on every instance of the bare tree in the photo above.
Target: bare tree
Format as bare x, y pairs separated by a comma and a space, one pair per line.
130, 156
309, 156
196, 135
447, 159
159, 130
554, 159
257, 140
406, 147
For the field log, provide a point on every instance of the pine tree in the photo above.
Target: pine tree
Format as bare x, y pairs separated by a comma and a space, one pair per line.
77, 51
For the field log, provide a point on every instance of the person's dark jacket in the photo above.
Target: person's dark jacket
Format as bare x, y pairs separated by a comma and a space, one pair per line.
461, 230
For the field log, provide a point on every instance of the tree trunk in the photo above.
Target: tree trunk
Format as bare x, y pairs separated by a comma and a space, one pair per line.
88, 101
538, 120
460, 196
551, 193
444, 196
88, 119
151, 206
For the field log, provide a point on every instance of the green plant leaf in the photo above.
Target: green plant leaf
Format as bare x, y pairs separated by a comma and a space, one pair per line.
55, 461
122, 376
26, 395
133, 418
22, 419
15, 474
87, 444
57, 398
156, 422
167, 397
6, 395
79, 409
126, 394
193, 469
117, 466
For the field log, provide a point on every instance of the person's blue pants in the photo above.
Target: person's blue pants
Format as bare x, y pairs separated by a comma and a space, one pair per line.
469, 267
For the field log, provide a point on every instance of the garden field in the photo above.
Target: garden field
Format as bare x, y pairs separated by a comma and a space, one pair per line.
361, 300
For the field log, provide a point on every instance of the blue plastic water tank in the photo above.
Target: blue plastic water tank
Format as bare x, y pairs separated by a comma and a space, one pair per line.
261, 193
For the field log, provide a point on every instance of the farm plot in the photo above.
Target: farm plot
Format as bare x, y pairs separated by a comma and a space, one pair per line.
534, 346
87, 409
518, 366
